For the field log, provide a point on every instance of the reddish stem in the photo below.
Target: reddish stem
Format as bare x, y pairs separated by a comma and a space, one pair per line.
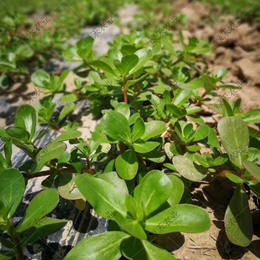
125, 93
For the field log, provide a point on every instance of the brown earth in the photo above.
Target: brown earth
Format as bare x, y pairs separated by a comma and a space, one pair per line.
238, 52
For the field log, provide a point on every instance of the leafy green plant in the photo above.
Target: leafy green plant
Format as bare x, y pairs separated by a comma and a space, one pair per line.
133, 143
153, 142
34, 225
135, 217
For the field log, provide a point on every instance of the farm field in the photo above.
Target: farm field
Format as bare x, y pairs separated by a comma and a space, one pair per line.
129, 130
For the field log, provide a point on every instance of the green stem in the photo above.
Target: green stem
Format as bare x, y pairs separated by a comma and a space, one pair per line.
19, 250
176, 62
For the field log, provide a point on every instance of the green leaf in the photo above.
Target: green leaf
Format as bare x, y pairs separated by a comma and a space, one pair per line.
177, 190
200, 133
40, 206
133, 208
179, 218
128, 49
234, 178
154, 252
252, 168
84, 48
153, 129
132, 248
123, 108
193, 148
237, 106
39, 77
18, 133
51, 151
174, 110
69, 108
213, 139
62, 77
193, 110
110, 166
127, 165
209, 82
138, 129
68, 135
127, 63
145, 147
103, 196
29, 116
100, 138
7, 255
69, 98
103, 66
144, 56
131, 120
235, 138
154, 189
136, 249
43, 228
227, 109
8, 153
238, 219
115, 54
117, 182
188, 169
105, 246
116, 126
252, 117
66, 186
181, 97
12, 188
230, 86
131, 226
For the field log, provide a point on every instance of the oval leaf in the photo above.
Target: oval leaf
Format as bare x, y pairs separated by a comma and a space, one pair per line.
235, 138
154, 189
51, 151
187, 168
40, 206
103, 196
105, 246
12, 188
179, 218
116, 126
238, 219
253, 169
127, 165
29, 116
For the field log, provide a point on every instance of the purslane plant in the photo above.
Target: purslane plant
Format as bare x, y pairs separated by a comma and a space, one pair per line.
135, 143
153, 208
152, 121
34, 225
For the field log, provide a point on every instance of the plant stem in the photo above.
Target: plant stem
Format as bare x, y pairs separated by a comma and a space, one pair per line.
125, 92
48, 172
177, 61
17, 240
121, 147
